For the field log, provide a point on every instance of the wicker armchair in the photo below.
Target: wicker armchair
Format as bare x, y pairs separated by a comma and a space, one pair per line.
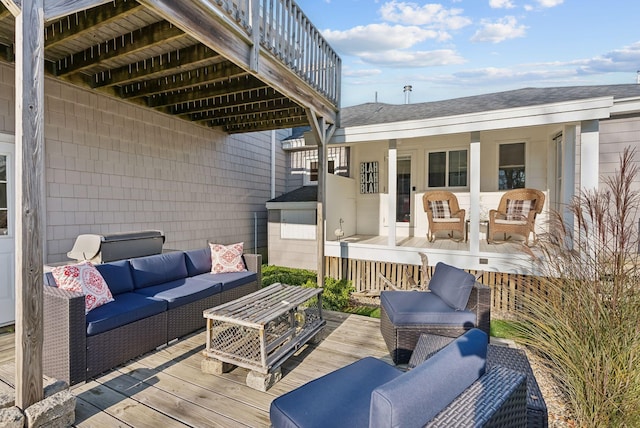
516, 214
452, 219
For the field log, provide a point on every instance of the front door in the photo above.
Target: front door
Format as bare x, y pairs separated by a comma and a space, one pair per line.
7, 234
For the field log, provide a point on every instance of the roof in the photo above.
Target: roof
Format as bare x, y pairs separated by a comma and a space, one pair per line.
302, 194
377, 113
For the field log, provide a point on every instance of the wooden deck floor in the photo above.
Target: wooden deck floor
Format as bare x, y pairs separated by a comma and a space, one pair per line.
166, 388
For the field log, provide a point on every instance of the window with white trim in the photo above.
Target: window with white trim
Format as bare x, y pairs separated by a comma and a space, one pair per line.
313, 170
447, 168
511, 166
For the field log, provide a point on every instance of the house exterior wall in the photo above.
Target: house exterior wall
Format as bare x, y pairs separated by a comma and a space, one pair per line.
113, 167
615, 136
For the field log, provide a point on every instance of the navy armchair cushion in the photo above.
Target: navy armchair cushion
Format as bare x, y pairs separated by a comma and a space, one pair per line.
420, 308
338, 399
198, 261
452, 285
127, 308
417, 396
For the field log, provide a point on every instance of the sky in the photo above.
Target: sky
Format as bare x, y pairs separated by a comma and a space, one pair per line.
458, 48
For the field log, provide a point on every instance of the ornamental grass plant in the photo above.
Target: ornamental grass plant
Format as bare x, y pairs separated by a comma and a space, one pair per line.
584, 318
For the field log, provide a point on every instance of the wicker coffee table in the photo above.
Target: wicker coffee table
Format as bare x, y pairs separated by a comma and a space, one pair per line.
261, 330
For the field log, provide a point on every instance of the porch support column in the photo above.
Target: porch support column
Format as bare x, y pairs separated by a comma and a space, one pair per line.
474, 193
589, 154
322, 132
29, 201
393, 192
568, 173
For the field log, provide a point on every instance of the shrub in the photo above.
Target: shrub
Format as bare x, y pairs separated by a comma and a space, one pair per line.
585, 321
284, 275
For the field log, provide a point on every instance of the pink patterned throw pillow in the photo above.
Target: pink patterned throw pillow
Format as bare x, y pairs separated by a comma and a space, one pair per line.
227, 258
84, 278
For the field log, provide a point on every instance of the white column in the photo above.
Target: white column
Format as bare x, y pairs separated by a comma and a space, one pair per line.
474, 193
589, 154
568, 172
393, 191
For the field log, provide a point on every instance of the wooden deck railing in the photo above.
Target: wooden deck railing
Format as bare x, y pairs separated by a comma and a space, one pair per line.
286, 32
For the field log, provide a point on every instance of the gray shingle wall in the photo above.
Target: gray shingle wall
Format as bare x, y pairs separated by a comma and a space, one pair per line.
114, 167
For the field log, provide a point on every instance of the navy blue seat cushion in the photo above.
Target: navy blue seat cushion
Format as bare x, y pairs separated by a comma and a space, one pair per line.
158, 269
420, 308
453, 285
117, 276
230, 280
198, 261
125, 309
417, 396
338, 399
182, 291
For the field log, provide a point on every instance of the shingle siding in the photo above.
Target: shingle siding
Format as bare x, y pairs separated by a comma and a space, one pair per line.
113, 167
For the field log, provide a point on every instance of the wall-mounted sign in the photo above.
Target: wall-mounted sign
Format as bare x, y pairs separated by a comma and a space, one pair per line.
368, 177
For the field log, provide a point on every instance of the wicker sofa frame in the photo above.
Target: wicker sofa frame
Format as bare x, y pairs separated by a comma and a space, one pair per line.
74, 357
497, 357
402, 339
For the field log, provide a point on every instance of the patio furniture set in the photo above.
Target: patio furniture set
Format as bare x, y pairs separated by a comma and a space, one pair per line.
515, 215
446, 373
155, 299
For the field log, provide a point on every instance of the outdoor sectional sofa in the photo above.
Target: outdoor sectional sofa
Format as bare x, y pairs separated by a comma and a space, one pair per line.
452, 388
156, 299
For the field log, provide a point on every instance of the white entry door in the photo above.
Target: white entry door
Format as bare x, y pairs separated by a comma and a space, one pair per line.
7, 232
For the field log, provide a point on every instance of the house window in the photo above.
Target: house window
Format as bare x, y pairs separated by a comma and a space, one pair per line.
511, 173
313, 170
447, 169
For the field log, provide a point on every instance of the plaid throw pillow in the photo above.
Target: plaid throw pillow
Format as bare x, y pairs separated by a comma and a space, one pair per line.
440, 209
519, 210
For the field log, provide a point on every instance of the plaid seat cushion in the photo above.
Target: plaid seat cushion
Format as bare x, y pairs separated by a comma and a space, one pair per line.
518, 210
440, 209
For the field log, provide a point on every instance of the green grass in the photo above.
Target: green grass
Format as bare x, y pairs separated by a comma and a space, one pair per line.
368, 311
503, 329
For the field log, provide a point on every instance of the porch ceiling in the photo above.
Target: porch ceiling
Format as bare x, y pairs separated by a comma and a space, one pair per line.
149, 53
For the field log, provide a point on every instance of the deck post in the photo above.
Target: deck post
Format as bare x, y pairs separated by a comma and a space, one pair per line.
29, 198
474, 194
392, 192
322, 132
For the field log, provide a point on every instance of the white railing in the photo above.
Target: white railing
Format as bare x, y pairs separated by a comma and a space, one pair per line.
290, 36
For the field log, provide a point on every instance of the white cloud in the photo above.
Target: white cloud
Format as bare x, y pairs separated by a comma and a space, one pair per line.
550, 3
499, 31
361, 73
501, 4
432, 15
409, 59
619, 60
377, 37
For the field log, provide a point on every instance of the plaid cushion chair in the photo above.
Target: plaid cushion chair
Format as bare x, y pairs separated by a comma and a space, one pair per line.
443, 214
516, 214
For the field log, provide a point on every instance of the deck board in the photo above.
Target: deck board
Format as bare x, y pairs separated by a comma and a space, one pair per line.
166, 388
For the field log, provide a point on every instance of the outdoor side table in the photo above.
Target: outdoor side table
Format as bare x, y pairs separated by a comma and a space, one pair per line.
261, 330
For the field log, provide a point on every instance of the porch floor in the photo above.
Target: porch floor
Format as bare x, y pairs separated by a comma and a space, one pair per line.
444, 244
166, 388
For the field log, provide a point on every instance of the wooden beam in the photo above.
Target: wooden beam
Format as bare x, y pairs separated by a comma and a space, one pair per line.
226, 101
13, 6
198, 20
55, 9
181, 81
242, 110
265, 126
236, 86
187, 58
269, 116
145, 38
29, 202
70, 28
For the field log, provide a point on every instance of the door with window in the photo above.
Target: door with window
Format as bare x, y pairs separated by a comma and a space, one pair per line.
403, 189
7, 235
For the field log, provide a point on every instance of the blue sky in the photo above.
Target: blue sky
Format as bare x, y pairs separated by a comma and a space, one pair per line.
458, 48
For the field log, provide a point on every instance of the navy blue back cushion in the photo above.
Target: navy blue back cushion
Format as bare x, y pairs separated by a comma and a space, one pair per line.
117, 276
452, 285
158, 269
198, 261
417, 396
